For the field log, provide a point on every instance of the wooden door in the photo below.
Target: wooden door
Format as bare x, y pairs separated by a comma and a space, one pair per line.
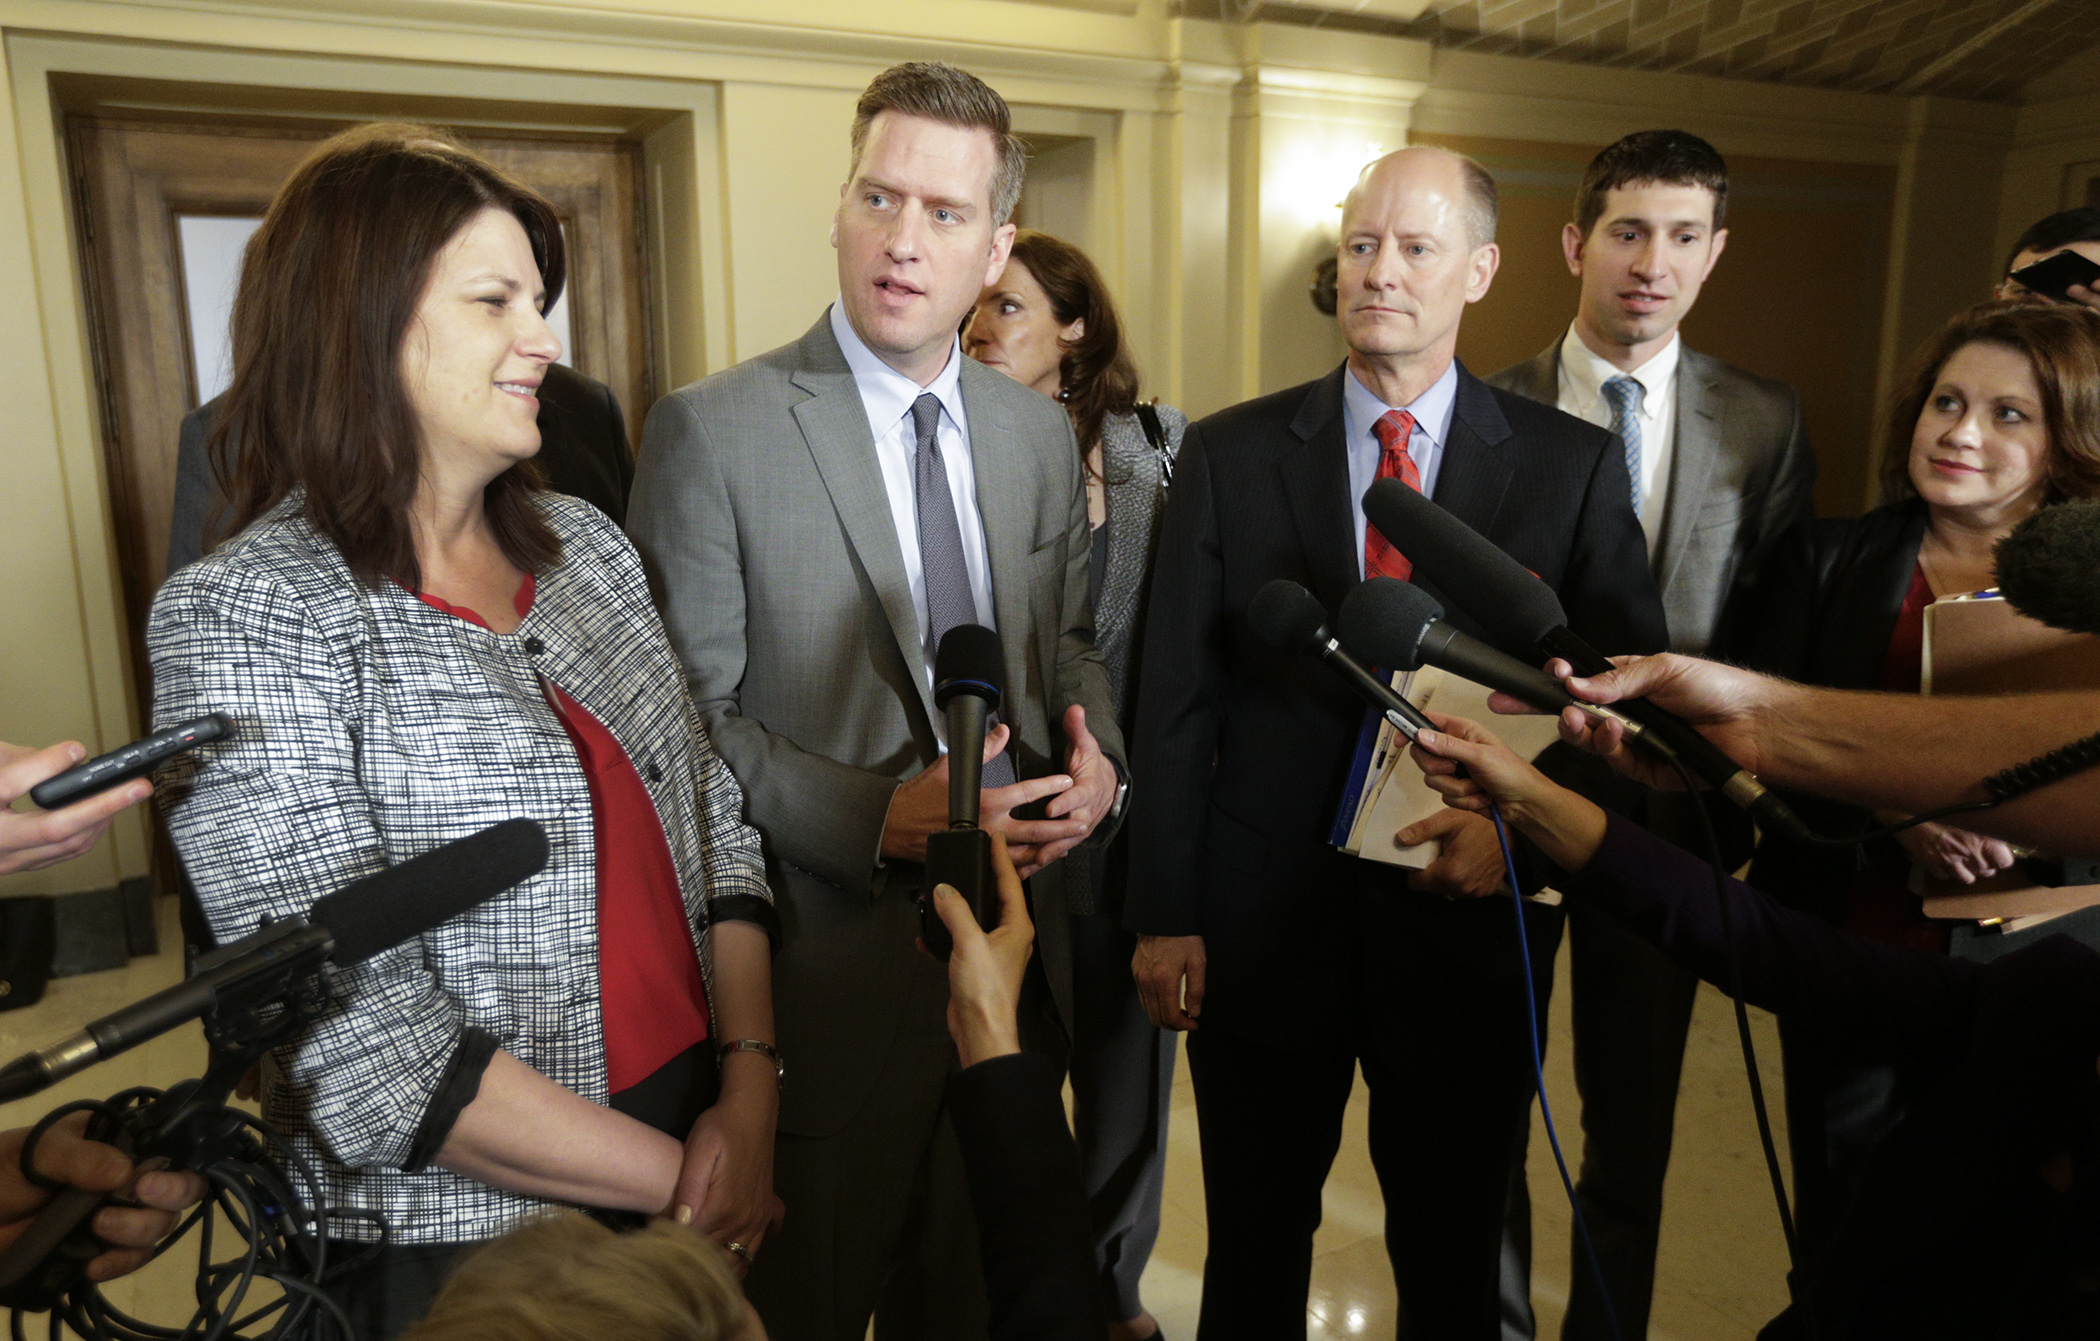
136, 181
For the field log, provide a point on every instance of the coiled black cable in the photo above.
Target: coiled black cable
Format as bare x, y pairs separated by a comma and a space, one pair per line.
263, 1188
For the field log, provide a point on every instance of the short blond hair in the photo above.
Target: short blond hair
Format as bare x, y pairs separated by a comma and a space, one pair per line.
568, 1278
938, 91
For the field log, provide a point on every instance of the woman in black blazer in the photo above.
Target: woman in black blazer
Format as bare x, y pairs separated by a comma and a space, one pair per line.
1999, 417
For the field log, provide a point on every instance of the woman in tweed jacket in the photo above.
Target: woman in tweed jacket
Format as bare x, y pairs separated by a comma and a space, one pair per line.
1049, 323
416, 642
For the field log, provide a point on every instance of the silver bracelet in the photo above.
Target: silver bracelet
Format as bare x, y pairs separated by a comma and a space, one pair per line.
759, 1046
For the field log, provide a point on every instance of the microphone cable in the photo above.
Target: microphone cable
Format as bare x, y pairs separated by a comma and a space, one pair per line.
1538, 1074
262, 1187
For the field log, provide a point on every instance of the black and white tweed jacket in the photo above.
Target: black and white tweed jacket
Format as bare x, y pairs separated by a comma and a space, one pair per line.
372, 727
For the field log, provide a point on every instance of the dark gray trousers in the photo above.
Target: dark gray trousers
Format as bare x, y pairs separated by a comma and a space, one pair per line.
1122, 1090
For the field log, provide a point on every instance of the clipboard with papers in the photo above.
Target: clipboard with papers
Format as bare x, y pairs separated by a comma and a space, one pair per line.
1385, 791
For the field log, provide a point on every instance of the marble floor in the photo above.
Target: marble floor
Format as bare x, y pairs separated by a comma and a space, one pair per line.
1720, 1277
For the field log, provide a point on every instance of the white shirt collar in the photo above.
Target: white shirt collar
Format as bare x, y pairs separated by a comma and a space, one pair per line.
1587, 373
888, 395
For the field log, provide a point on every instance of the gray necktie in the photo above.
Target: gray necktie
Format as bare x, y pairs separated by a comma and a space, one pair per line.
1625, 396
949, 600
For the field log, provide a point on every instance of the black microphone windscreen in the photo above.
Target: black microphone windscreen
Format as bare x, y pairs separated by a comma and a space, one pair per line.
2049, 566
969, 658
1382, 621
386, 908
1513, 607
1286, 616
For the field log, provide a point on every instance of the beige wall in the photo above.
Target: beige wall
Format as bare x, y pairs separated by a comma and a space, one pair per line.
1215, 154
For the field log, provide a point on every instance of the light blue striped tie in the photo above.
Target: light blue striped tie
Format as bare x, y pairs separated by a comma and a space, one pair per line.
1624, 393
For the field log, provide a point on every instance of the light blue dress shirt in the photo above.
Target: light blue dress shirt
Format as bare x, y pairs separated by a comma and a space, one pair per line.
1361, 408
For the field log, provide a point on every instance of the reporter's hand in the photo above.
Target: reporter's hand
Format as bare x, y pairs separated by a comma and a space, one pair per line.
65, 1154
1566, 827
1467, 866
1169, 974
33, 839
1947, 853
1727, 704
985, 969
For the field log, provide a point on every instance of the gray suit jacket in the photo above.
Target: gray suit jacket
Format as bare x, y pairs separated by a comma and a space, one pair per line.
759, 510
1741, 474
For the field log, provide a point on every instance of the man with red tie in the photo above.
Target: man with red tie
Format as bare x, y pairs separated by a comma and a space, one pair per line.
1289, 962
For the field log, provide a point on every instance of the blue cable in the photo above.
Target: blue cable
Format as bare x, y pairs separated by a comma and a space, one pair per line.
1538, 1073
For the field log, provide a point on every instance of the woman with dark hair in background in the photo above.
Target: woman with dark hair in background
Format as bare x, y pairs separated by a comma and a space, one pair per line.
416, 642
1999, 416
1050, 323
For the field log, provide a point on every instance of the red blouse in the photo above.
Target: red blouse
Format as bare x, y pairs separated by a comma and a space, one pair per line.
653, 1002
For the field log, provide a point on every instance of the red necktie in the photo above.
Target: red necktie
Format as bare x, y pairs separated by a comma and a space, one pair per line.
1392, 430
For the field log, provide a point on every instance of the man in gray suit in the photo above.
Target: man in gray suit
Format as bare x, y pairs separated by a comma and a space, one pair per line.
1720, 469
815, 519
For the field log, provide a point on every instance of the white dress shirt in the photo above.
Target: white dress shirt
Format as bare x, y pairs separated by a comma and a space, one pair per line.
1361, 408
1582, 379
888, 395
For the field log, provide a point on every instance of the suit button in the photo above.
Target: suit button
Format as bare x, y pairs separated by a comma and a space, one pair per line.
655, 774
533, 647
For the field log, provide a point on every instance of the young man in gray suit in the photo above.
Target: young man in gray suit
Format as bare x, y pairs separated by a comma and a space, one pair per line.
1720, 469
815, 519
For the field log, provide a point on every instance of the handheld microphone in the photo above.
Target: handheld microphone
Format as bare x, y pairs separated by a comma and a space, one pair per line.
2045, 566
1291, 619
1397, 624
346, 927
1522, 616
969, 679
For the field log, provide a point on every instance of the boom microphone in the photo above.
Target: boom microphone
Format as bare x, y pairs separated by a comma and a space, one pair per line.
969, 679
1291, 619
2045, 566
346, 927
1397, 624
1523, 617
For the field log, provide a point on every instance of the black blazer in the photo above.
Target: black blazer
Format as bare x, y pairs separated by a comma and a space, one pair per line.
1228, 726
583, 452
1023, 1171
1823, 613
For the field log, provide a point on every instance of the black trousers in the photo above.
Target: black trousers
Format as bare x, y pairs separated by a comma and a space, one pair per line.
1335, 963
1631, 1009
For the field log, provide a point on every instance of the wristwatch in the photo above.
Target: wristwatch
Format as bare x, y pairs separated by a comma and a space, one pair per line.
1115, 812
762, 1048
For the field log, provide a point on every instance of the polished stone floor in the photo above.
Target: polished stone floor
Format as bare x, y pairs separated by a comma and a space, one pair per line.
1721, 1274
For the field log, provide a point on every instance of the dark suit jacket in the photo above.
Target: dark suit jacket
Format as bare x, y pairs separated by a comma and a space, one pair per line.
1229, 727
1823, 615
583, 451
1741, 476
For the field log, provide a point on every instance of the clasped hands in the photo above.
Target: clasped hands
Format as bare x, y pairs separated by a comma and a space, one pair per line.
1080, 798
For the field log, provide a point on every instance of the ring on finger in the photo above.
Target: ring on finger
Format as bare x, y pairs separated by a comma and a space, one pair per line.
741, 1251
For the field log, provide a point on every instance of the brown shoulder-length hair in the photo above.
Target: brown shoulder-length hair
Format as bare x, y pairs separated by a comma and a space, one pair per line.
1096, 376
329, 285
2061, 342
